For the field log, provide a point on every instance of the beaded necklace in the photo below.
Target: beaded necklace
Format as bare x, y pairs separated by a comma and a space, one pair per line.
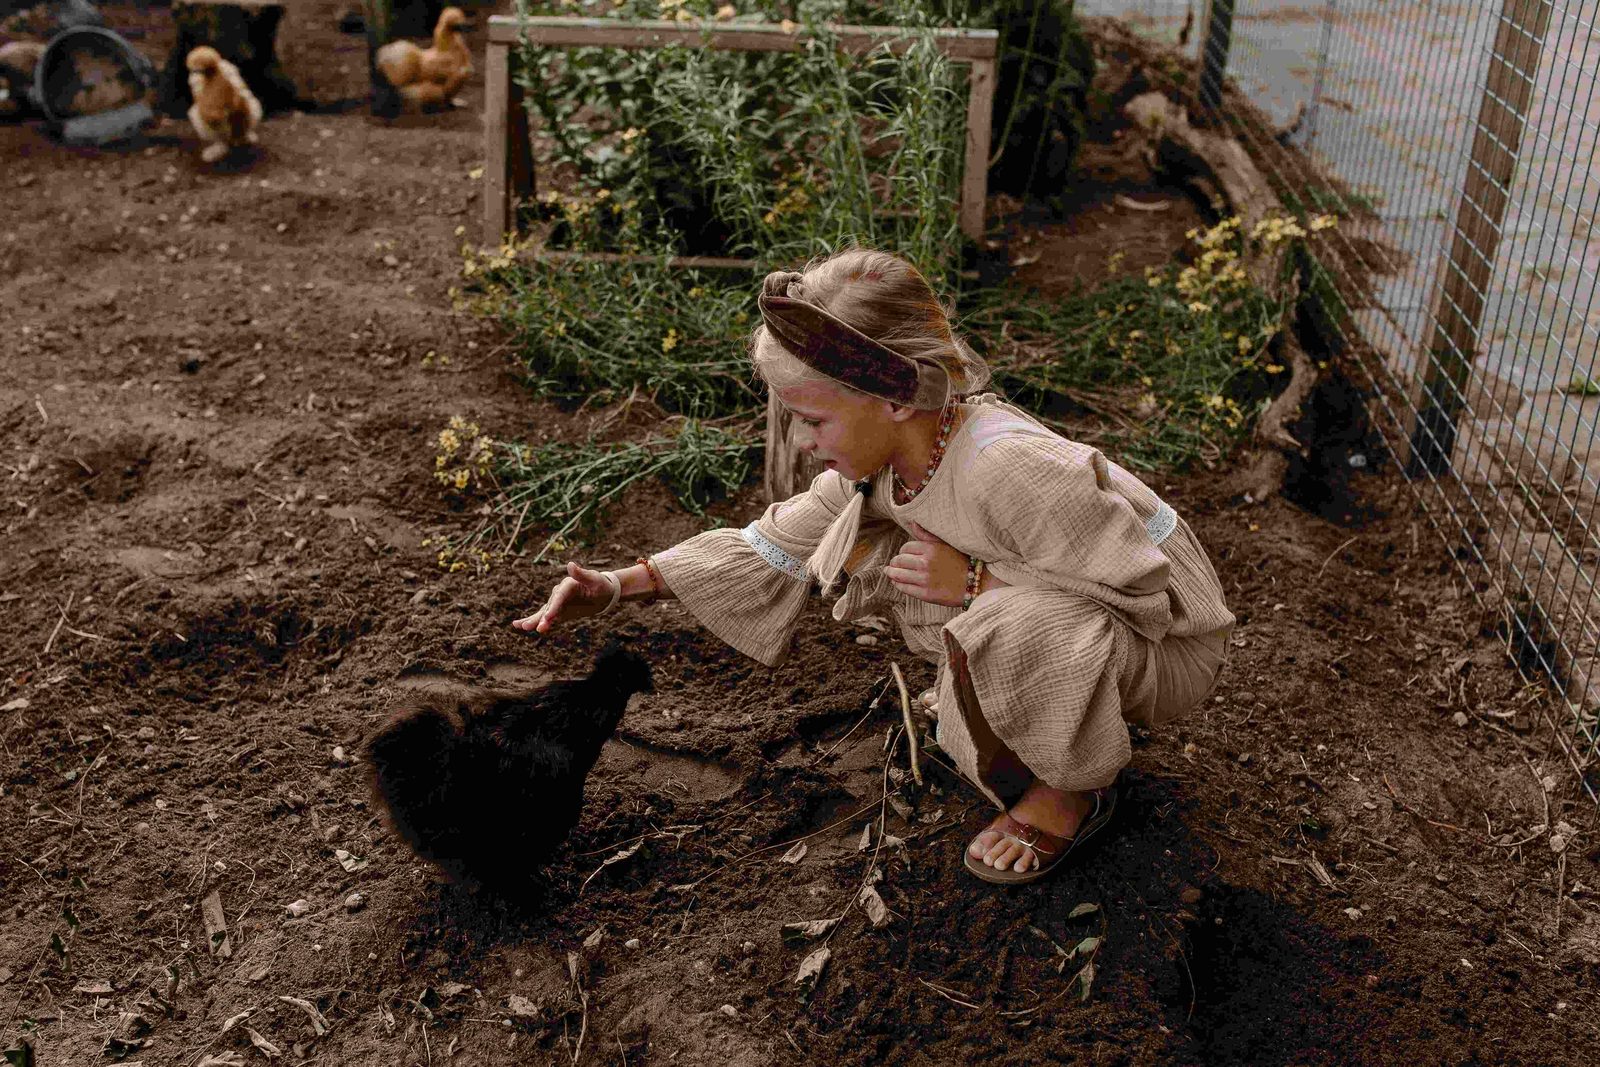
904, 494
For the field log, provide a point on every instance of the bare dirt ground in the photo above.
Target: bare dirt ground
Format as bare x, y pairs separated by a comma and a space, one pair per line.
216, 445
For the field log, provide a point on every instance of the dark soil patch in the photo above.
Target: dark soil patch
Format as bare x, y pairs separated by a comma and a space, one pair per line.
216, 438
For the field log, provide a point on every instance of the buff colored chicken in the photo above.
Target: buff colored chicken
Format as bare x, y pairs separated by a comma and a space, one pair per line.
429, 77
225, 111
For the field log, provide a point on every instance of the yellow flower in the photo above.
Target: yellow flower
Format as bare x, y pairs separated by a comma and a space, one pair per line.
1199, 308
1323, 222
670, 341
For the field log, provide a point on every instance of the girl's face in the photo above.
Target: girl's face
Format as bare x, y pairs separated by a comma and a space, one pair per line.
846, 431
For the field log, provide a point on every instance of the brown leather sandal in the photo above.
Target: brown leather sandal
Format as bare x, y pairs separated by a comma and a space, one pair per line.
1047, 847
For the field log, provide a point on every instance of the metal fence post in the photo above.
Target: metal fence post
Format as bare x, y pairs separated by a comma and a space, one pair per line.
1465, 270
1214, 47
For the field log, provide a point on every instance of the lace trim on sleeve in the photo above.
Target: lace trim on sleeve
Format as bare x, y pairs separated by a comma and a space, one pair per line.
777, 557
1160, 525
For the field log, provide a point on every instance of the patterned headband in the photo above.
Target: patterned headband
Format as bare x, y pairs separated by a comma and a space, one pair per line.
826, 343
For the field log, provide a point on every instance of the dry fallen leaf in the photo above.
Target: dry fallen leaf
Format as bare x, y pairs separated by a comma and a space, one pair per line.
235, 1020
268, 1049
92, 987
872, 903
1082, 910
349, 861
522, 1007
216, 925
19, 704
795, 854
617, 857
804, 930
811, 967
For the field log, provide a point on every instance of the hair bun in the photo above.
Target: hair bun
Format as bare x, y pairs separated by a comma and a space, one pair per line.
779, 282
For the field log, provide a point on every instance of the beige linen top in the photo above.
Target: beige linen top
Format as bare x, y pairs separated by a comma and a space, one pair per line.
1040, 510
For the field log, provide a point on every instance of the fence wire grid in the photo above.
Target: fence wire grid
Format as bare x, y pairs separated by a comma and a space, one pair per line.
1457, 142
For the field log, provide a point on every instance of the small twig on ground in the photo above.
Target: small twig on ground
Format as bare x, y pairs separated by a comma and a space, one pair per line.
1415, 812
1538, 782
1335, 552
737, 860
583, 1025
1561, 891
946, 994
883, 810
59, 623
911, 726
872, 707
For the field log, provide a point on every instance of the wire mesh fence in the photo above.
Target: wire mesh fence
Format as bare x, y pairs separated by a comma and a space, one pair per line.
1457, 142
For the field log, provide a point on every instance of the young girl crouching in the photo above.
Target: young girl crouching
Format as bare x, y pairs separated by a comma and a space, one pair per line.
1058, 595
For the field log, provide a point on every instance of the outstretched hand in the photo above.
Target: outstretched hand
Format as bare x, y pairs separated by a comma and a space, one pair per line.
582, 593
929, 570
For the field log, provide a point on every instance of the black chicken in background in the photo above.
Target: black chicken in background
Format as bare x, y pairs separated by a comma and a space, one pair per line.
1043, 74
487, 783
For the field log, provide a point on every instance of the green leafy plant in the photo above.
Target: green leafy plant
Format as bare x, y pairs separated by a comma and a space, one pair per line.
569, 485
769, 156
1160, 370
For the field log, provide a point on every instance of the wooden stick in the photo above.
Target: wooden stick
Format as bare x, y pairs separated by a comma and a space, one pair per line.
496, 131
975, 169
911, 726
561, 32
1463, 289
59, 623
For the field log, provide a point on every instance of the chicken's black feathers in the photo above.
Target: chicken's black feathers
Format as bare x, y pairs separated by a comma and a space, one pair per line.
487, 783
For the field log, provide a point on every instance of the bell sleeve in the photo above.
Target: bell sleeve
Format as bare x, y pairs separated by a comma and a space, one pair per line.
749, 586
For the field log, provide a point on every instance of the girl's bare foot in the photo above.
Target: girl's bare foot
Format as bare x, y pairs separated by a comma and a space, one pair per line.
1055, 811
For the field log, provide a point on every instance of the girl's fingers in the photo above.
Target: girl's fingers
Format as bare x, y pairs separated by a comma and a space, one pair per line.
906, 575
906, 581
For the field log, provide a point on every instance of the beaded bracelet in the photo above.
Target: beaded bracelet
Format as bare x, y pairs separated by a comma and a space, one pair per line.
974, 581
655, 581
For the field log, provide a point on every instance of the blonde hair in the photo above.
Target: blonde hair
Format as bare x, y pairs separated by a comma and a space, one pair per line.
883, 297
887, 299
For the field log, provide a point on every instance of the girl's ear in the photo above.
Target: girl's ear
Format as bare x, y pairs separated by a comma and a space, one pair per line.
900, 412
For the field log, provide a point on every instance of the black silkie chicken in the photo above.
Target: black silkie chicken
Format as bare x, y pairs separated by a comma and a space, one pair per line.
486, 783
